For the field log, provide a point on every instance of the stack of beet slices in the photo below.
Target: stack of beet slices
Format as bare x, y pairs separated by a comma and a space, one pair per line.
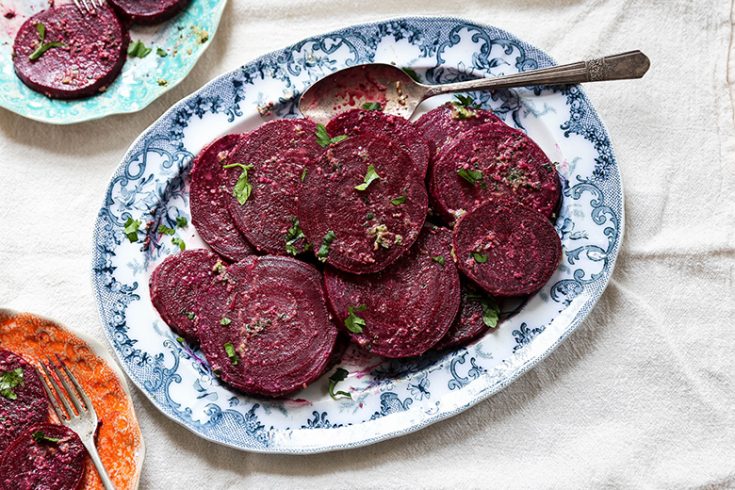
320, 234
33, 452
64, 52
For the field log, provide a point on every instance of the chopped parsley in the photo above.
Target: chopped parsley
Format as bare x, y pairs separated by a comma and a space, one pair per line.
293, 235
180, 340
398, 200
39, 437
161, 52
10, 380
411, 73
439, 259
190, 315
463, 107
230, 351
479, 257
370, 176
243, 188
372, 106
43, 46
131, 229
225, 321
219, 267
182, 222
464, 101
323, 251
323, 139
138, 49
490, 312
179, 243
354, 323
165, 230
339, 375
303, 174
470, 175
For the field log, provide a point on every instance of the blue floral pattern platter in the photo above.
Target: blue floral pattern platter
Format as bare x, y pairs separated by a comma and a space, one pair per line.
389, 398
142, 80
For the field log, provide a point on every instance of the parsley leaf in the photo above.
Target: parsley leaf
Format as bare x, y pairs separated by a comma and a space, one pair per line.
411, 73
339, 375
39, 437
180, 340
479, 257
323, 251
243, 188
303, 174
464, 101
182, 222
179, 243
10, 380
293, 235
165, 230
471, 176
138, 50
131, 229
161, 52
372, 106
190, 315
42, 45
370, 176
323, 139
354, 323
439, 259
490, 312
230, 351
224, 321
398, 200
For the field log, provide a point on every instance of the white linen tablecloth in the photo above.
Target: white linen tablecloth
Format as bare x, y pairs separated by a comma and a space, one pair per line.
642, 395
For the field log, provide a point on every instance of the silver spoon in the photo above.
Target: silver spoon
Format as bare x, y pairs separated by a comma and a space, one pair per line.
399, 94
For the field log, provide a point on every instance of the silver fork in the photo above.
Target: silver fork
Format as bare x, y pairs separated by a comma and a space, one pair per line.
84, 5
84, 420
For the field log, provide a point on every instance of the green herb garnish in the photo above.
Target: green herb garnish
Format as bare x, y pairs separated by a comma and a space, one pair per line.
398, 200
219, 267
182, 222
179, 243
339, 375
190, 315
39, 437
230, 351
372, 106
165, 230
293, 235
243, 188
323, 251
464, 101
490, 312
411, 73
10, 380
303, 174
354, 323
138, 50
131, 229
471, 176
161, 52
180, 340
323, 139
439, 259
225, 321
370, 176
479, 257
42, 45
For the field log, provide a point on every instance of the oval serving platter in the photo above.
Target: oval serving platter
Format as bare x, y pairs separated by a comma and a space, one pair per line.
142, 80
389, 398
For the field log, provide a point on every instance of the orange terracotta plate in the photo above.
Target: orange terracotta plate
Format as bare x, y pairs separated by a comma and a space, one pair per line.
119, 441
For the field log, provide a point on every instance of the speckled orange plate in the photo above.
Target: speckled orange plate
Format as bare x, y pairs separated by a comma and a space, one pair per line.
120, 442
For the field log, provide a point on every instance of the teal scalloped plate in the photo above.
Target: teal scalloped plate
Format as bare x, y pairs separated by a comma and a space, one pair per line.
142, 80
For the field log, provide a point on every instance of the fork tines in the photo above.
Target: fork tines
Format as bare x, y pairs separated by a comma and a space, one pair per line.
88, 6
64, 392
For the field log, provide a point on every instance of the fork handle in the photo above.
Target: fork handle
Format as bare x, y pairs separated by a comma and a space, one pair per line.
633, 64
92, 450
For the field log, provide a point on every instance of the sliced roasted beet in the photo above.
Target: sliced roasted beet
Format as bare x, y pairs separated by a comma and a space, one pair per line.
357, 121
405, 309
478, 314
208, 200
23, 400
506, 249
148, 11
362, 204
440, 127
272, 333
275, 156
44, 456
176, 284
491, 162
88, 51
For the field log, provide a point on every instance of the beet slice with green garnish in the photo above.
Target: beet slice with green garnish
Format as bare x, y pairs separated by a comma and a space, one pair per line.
492, 162
264, 173
506, 249
23, 400
148, 11
44, 456
177, 283
397, 128
405, 309
208, 199
66, 54
271, 333
362, 205
478, 314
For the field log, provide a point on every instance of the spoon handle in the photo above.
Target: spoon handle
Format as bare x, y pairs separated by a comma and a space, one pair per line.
633, 64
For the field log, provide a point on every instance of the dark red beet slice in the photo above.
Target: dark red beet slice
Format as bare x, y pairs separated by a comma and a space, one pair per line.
93, 52
406, 308
148, 11
506, 249
397, 128
44, 456
489, 163
469, 323
176, 283
272, 334
208, 200
362, 231
24, 404
441, 126
278, 151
